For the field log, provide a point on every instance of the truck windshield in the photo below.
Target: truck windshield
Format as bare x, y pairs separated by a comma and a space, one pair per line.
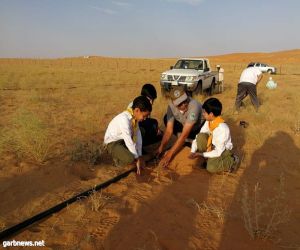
189, 64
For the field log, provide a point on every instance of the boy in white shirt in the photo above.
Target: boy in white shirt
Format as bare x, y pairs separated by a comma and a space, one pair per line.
123, 136
214, 140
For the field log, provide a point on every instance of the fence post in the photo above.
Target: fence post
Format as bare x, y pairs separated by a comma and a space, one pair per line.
280, 70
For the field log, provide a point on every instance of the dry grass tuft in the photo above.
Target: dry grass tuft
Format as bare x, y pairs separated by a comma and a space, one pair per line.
191, 202
86, 151
97, 201
297, 127
263, 216
213, 209
30, 137
208, 208
2, 224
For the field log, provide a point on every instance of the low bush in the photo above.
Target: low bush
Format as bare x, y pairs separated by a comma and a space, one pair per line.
86, 151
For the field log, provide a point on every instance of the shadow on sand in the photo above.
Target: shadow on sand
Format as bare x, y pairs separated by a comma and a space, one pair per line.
278, 156
166, 221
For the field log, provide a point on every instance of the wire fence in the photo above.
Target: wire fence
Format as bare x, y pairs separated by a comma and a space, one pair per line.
131, 65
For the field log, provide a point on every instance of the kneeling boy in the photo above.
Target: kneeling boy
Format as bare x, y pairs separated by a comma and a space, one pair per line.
123, 136
214, 140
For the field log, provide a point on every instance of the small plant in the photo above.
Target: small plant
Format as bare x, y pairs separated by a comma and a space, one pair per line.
208, 208
191, 202
297, 127
2, 224
30, 137
262, 217
97, 201
214, 210
86, 151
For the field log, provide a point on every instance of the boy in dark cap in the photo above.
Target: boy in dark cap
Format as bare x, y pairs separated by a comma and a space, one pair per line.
149, 127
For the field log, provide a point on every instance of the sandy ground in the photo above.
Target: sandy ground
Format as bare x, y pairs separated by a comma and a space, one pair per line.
182, 207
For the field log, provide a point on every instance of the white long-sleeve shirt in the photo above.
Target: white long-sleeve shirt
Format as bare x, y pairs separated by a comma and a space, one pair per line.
251, 75
221, 140
120, 128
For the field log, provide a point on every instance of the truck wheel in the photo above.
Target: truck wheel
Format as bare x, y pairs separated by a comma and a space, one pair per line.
198, 90
269, 71
212, 87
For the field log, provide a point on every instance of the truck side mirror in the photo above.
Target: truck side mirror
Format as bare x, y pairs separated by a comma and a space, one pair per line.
171, 67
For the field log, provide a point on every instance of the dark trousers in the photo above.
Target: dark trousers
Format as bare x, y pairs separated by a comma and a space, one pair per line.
177, 128
244, 89
150, 131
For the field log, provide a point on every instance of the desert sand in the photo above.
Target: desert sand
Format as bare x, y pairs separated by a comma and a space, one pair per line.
52, 120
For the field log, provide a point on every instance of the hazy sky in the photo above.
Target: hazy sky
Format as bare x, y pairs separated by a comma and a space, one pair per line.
140, 28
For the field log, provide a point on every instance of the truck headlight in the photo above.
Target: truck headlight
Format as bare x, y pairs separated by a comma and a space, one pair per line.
190, 78
164, 77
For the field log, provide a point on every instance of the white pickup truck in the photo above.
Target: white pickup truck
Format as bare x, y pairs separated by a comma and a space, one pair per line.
194, 74
263, 67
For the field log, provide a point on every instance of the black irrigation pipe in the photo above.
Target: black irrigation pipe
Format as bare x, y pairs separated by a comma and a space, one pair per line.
14, 229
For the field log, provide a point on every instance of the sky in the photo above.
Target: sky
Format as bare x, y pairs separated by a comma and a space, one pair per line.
146, 29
